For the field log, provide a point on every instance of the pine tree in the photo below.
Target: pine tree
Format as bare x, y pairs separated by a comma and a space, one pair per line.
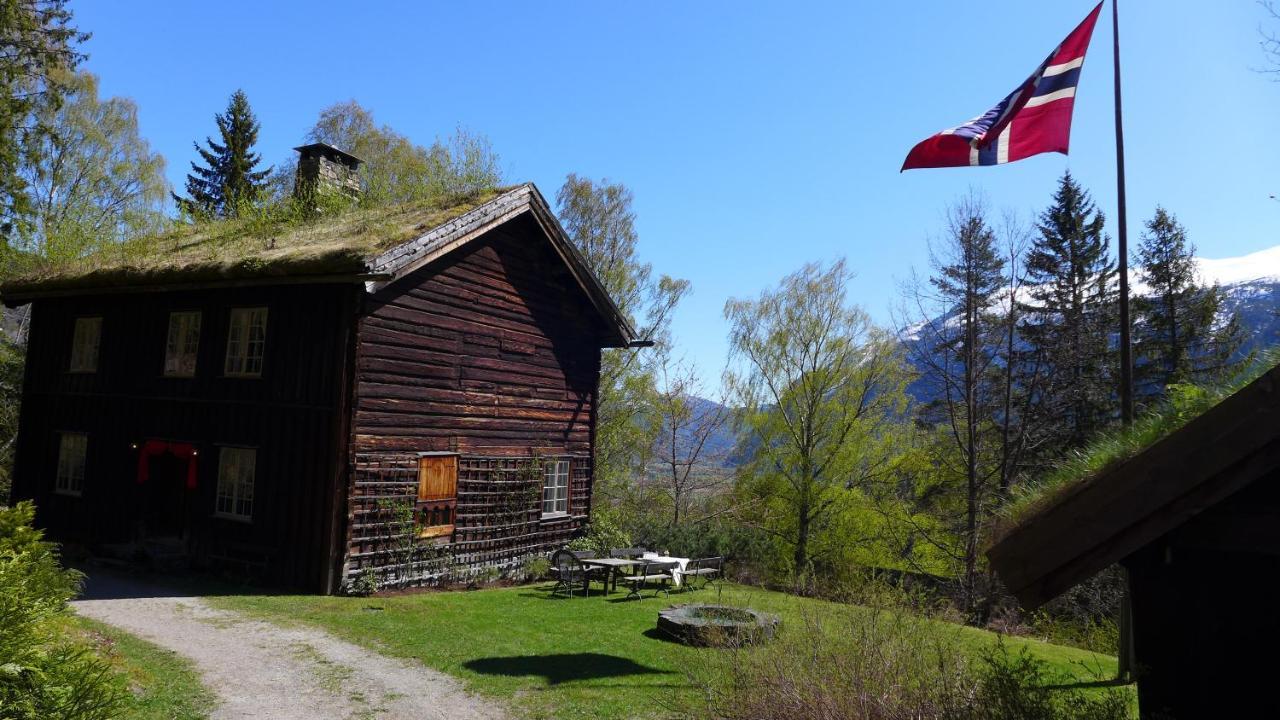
1178, 335
1070, 316
228, 180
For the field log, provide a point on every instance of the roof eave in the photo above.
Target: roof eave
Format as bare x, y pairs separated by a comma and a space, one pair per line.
18, 297
458, 232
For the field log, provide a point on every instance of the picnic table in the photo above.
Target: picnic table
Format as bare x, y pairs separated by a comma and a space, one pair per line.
614, 567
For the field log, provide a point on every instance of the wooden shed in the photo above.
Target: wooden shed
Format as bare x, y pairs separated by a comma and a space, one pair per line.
385, 395
1195, 520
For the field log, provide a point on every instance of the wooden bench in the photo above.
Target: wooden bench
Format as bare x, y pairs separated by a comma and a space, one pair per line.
657, 574
709, 569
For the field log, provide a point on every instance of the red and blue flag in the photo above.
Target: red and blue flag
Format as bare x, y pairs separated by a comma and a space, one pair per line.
1034, 119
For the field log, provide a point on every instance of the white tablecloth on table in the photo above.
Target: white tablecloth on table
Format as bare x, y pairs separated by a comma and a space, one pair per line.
675, 573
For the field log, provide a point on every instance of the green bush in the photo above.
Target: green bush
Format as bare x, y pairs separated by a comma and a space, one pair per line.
534, 567
1020, 687
604, 532
746, 549
44, 673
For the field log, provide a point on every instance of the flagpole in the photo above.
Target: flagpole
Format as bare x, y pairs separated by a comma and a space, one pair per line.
1124, 659
1126, 357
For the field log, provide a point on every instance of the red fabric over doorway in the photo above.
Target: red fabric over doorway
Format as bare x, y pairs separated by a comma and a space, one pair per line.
183, 451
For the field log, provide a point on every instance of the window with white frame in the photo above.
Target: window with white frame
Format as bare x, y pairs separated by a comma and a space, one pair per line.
181, 347
84, 344
555, 488
246, 342
72, 448
236, 468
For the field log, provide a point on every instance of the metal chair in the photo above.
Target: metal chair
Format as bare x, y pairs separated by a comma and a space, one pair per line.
568, 570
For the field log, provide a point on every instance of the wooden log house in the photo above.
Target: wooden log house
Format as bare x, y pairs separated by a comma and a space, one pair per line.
1195, 521
320, 403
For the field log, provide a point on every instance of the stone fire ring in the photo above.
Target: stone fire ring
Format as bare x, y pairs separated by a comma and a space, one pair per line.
716, 625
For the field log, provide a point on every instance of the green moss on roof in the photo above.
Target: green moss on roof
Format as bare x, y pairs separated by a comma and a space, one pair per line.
1082, 467
272, 243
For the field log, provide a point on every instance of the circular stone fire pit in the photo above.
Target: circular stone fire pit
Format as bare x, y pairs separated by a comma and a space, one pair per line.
711, 625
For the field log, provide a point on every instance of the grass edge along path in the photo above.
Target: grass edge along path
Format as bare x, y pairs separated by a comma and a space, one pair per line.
162, 685
585, 657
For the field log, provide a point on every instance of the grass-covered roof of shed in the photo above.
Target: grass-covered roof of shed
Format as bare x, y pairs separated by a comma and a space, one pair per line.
1082, 467
276, 241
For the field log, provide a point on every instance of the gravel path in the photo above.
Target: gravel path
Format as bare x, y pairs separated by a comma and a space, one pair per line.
261, 670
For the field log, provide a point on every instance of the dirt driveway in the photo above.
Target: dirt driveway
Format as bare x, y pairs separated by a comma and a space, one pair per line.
260, 670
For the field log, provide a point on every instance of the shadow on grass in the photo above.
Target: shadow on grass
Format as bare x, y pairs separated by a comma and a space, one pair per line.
562, 668
656, 634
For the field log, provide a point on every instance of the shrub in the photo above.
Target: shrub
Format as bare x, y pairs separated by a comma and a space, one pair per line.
874, 665
747, 550
534, 567
1017, 686
364, 584
604, 532
1086, 615
44, 674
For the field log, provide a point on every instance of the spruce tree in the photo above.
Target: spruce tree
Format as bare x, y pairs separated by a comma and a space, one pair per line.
1070, 314
228, 180
1179, 336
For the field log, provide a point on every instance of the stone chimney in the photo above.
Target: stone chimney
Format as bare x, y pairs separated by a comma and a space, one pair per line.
325, 168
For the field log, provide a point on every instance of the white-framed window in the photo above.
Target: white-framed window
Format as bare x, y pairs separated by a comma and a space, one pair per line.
84, 344
72, 448
555, 488
183, 343
236, 468
246, 342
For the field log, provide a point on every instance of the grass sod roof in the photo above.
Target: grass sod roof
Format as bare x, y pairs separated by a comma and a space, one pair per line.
1173, 433
275, 242
1082, 467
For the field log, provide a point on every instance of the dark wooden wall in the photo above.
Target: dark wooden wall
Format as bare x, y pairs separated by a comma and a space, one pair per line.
492, 352
1205, 600
295, 415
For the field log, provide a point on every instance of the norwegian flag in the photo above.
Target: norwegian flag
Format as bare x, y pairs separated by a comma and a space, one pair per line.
1034, 119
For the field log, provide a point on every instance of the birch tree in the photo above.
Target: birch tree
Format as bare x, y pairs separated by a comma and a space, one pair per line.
820, 389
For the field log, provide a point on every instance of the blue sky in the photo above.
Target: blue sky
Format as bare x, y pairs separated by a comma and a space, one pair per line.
755, 136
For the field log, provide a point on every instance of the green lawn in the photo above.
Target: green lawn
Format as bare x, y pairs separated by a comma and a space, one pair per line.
585, 657
162, 685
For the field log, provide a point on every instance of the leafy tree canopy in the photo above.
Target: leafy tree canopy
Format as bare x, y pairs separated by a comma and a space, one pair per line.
395, 169
599, 220
37, 49
91, 178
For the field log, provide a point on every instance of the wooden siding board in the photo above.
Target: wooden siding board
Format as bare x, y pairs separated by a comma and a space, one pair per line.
493, 353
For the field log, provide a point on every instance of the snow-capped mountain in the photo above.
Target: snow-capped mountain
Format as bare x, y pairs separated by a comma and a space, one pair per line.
1252, 286
1261, 266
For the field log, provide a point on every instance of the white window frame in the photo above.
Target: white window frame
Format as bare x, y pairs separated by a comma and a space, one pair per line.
86, 343
237, 472
73, 449
555, 487
182, 345
245, 352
